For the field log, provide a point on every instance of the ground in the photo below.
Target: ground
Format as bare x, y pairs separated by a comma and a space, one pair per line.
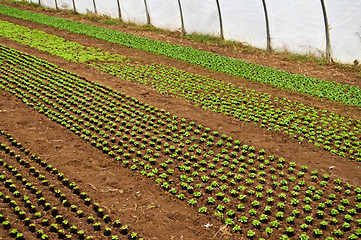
138, 202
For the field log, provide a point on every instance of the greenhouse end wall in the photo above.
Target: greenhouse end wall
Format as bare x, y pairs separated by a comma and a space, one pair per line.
297, 26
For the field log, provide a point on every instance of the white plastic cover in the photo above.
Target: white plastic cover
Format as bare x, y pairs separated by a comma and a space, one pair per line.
109, 8
344, 19
48, 3
84, 6
164, 14
133, 11
201, 16
297, 26
244, 21
65, 4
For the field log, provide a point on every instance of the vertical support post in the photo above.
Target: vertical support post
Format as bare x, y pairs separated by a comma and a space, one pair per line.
267, 26
327, 32
95, 7
74, 8
56, 5
119, 11
39, 3
181, 16
146, 11
220, 20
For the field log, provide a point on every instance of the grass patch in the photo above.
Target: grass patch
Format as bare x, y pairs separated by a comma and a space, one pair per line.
101, 18
152, 28
204, 38
304, 58
322, 61
215, 40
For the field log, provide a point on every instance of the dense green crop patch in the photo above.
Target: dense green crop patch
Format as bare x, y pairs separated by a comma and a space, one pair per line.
71, 51
316, 87
251, 192
330, 131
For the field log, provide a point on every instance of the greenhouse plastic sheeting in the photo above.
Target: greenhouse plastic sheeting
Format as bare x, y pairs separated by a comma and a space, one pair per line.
297, 26
244, 21
84, 6
48, 3
109, 8
165, 14
201, 16
133, 11
344, 18
65, 4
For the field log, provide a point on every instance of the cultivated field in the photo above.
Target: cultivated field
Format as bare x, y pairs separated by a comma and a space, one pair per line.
106, 134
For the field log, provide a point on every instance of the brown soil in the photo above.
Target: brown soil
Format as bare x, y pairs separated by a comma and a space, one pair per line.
134, 199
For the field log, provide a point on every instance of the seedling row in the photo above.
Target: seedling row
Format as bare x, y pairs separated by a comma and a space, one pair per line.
334, 133
40, 201
338, 134
251, 192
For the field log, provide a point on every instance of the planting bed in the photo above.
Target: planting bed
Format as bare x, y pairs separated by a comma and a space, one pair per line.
194, 157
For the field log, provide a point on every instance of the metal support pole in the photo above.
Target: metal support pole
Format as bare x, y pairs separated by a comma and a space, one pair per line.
119, 11
74, 6
146, 11
95, 7
181, 16
220, 20
327, 32
267, 26
56, 5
